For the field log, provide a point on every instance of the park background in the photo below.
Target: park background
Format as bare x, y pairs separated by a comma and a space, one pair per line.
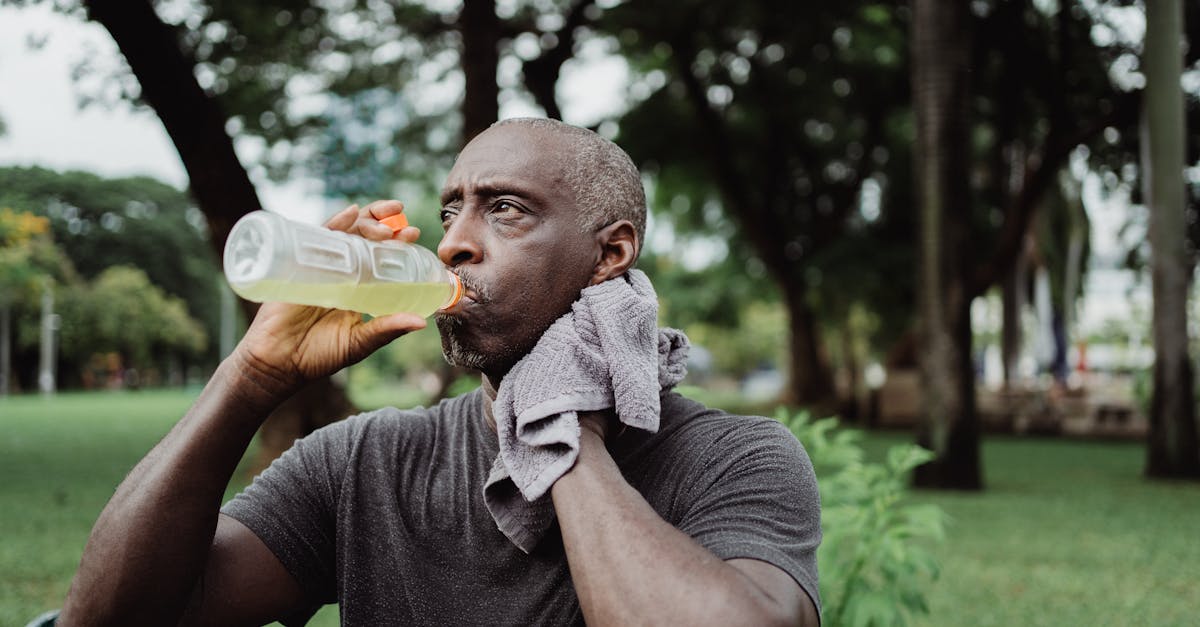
791, 174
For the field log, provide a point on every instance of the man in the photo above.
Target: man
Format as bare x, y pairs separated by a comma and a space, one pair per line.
713, 520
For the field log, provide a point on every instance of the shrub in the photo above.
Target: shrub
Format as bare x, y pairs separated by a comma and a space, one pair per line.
875, 558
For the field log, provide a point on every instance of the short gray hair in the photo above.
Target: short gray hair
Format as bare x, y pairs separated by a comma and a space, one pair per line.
605, 182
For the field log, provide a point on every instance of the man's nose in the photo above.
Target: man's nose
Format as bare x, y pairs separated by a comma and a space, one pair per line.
460, 244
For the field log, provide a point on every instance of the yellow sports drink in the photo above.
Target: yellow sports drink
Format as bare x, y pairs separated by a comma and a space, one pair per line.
270, 258
377, 299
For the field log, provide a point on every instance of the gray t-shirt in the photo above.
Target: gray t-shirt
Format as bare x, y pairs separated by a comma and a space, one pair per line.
384, 514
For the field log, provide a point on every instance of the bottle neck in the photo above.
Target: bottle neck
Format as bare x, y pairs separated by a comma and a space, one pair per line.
457, 294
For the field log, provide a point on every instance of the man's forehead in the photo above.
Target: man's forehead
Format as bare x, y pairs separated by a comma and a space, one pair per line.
510, 152
483, 153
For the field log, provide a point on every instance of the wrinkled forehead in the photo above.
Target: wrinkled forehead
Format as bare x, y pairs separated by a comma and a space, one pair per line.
537, 157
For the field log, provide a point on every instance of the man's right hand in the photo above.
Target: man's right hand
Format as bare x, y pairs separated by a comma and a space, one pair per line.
292, 344
160, 536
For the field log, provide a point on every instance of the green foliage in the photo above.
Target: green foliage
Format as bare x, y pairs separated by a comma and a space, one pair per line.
122, 312
797, 110
753, 341
420, 351
875, 559
714, 294
28, 257
98, 223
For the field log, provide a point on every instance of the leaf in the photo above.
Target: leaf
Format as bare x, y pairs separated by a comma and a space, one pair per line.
874, 560
903, 458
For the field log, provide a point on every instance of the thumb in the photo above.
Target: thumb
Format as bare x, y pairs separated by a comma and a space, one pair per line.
372, 335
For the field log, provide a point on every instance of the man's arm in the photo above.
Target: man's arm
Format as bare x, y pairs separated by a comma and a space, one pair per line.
151, 543
160, 548
630, 566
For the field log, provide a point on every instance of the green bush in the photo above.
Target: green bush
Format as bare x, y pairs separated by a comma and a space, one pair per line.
875, 560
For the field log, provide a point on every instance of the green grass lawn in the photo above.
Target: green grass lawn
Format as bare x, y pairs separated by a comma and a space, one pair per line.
61, 459
1068, 533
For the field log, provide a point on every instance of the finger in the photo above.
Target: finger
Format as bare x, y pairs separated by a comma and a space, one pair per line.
367, 224
375, 333
409, 234
405, 322
381, 209
344, 219
371, 229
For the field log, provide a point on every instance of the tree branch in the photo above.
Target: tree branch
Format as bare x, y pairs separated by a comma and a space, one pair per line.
729, 181
1040, 172
541, 74
192, 119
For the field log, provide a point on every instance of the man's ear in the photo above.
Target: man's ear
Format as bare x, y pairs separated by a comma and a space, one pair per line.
618, 250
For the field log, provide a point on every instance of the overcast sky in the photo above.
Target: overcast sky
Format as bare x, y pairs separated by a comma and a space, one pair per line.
37, 103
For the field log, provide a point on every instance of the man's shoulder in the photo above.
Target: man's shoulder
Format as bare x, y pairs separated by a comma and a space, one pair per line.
379, 423
693, 435
692, 418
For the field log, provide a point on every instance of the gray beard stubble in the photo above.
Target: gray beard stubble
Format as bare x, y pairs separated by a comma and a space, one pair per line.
453, 350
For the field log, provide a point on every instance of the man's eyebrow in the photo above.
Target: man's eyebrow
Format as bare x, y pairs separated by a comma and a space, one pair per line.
491, 188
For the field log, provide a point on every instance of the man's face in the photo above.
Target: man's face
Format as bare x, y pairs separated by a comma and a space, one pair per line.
512, 236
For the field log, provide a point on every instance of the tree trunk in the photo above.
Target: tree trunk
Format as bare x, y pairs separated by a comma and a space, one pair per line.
192, 118
1172, 449
809, 380
1012, 304
218, 181
940, 45
480, 30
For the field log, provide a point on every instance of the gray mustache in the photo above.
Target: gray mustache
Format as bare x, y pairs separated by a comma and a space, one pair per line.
481, 292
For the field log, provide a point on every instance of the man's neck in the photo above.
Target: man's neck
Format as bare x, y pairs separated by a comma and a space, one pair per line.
489, 395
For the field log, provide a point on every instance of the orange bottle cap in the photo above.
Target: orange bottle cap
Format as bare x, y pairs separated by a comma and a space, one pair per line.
458, 291
396, 222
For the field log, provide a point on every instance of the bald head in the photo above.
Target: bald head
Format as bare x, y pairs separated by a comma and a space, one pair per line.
602, 178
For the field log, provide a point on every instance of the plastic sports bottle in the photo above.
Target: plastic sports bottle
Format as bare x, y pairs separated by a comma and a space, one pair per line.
270, 258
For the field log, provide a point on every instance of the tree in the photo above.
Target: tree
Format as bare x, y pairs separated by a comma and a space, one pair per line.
29, 263
136, 221
940, 44
230, 67
1172, 448
196, 122
122, 312
732, 108
1043, 89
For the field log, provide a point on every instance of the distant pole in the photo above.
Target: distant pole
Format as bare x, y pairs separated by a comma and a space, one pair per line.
46, 365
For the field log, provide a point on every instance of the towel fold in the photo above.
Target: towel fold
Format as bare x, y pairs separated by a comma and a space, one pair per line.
607, 352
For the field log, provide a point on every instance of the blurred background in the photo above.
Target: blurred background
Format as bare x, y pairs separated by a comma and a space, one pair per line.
970, 225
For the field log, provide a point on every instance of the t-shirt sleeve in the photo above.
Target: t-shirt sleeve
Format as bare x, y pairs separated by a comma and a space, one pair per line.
292, 508
756, 497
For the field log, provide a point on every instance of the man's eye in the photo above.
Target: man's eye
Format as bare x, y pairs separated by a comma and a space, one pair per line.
446, 215
505, 206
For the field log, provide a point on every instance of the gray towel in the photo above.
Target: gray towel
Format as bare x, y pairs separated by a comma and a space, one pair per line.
606, 352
